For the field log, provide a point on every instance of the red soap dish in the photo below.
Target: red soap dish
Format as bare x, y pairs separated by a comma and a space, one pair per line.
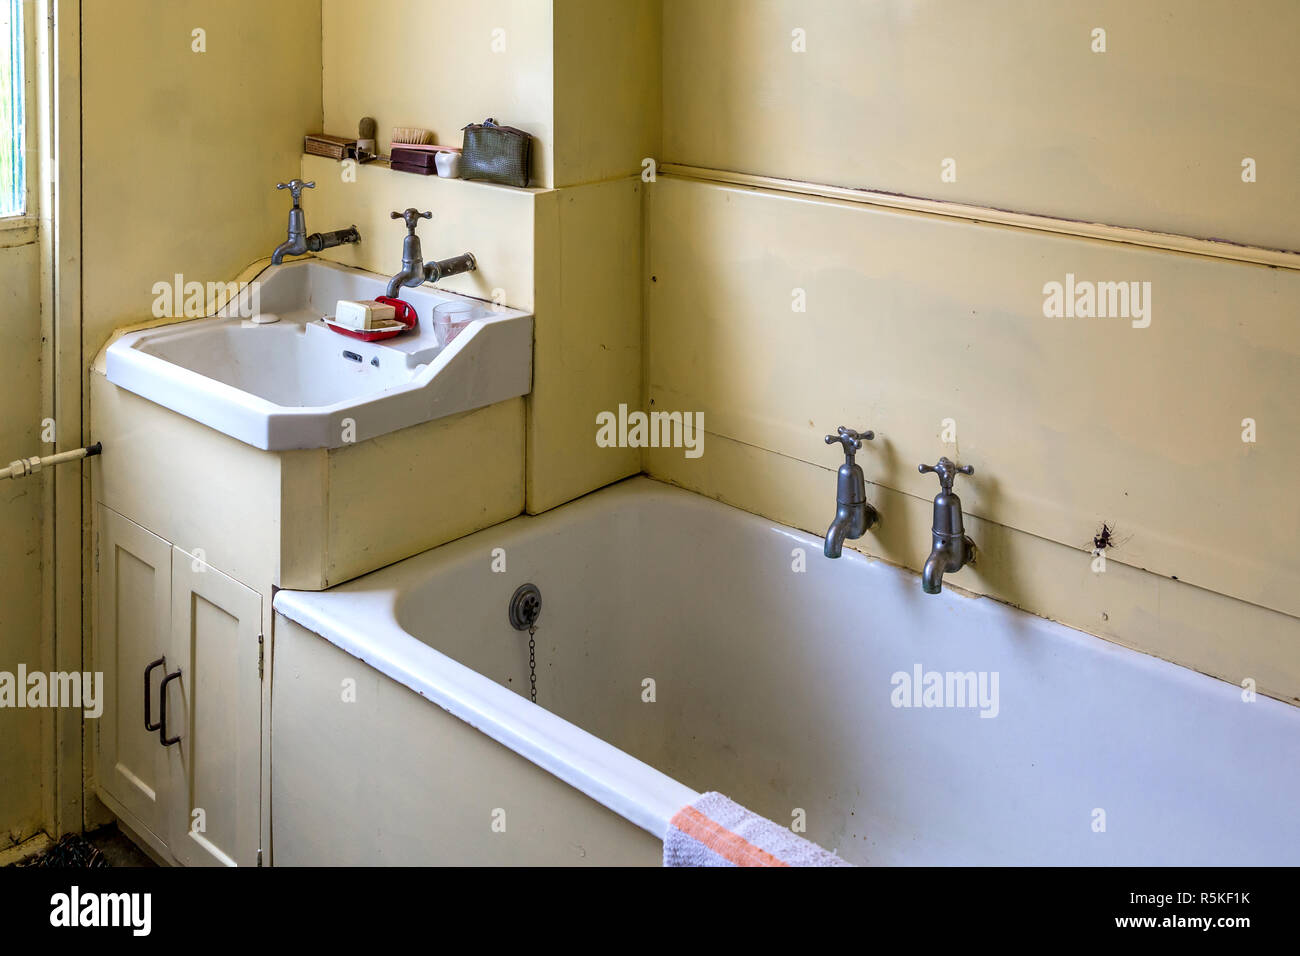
405, 314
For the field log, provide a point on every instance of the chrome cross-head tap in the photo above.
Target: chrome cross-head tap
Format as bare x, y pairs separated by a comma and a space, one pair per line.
299, 243
295, 187
415, 270
950, 549
853, 516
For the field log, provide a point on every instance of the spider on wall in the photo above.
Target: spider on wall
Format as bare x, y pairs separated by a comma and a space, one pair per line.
1107, 538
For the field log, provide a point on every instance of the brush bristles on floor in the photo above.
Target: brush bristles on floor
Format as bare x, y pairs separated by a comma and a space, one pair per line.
73, 850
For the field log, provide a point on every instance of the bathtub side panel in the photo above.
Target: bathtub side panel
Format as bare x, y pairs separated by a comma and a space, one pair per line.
389, 778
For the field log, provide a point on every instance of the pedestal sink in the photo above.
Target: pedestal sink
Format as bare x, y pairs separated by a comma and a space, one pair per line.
295, 383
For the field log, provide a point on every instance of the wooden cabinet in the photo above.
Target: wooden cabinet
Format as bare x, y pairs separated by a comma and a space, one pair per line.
132, 635
179, 741
173, 492
216, 638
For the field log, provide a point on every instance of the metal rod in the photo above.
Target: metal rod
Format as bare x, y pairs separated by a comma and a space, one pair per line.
30, 466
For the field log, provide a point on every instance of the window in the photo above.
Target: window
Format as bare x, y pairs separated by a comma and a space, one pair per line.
13, 181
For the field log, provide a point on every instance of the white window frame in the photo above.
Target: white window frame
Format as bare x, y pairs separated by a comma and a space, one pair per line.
21, 229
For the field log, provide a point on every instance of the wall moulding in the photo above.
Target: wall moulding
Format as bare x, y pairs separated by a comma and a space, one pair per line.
1214, 248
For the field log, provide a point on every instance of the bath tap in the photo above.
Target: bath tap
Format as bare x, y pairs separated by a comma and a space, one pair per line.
853, 516
414, 269
951, 549
299, 242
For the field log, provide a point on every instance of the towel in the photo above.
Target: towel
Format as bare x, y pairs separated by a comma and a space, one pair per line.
715, 831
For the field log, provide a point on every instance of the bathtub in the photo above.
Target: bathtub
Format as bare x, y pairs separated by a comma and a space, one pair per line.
684, 646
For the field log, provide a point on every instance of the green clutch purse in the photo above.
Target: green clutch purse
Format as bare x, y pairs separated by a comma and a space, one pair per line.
499, 154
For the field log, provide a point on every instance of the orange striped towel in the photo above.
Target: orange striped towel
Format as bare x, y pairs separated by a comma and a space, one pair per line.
715, 831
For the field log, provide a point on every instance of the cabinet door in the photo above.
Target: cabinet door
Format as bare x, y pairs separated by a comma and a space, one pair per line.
215, 708
133, 629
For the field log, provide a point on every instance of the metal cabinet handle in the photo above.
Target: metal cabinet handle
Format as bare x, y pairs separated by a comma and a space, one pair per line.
162, 719
148, 720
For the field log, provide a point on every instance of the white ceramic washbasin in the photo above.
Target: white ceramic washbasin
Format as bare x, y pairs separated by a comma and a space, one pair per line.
296, 383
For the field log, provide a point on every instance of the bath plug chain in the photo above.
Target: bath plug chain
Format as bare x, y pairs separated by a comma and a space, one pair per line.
525, 609
532, 661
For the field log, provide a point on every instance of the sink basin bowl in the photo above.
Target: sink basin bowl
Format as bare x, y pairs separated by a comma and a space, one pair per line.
296, 383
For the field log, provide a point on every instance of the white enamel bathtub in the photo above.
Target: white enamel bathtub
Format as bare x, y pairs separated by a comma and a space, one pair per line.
781, 688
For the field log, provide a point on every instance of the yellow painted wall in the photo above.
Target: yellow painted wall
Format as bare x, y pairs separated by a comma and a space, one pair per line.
1069, 423
587, 345
182, 150
493, 222
22, 757
608, 87
1150, 133
438, 65
912, 318
583, 77
587, 355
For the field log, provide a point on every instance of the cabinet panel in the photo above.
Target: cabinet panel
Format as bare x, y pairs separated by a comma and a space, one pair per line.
215, 709
133, 629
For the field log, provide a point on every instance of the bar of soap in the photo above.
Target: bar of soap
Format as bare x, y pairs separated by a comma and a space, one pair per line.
364, 315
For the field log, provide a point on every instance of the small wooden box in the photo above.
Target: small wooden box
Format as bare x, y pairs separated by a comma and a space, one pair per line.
333, 147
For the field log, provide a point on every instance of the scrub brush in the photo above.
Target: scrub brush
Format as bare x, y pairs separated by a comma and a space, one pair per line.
411, 135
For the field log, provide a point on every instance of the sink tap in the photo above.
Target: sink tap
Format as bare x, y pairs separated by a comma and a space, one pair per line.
951, 549
414, 269
853, 516
299, 242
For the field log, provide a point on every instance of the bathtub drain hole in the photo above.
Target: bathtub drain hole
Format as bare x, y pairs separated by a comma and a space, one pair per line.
525, 607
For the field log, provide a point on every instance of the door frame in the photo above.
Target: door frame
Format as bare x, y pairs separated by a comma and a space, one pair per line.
66, 546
